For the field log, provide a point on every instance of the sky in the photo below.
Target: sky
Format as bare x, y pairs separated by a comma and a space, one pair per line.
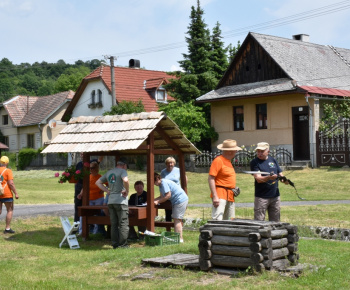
154, 31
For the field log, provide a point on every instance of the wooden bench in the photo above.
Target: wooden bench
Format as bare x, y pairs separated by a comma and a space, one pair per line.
137, 216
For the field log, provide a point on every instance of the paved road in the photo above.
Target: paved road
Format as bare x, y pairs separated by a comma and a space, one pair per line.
68, 209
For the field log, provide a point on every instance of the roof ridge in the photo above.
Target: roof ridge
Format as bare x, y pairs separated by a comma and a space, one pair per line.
340, 56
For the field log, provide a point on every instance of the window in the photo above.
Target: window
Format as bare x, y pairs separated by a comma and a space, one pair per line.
6, 140
30, 141
93, 97
261, 116
238, 118
5, 119
99, 93
160, 95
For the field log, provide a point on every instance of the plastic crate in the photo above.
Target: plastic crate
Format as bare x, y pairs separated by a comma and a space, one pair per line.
165, 238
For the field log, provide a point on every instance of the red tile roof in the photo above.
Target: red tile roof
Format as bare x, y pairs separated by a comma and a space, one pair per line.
27, 110
326, 91
131, 84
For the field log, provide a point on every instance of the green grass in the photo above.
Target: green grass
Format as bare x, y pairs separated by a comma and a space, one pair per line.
33, 260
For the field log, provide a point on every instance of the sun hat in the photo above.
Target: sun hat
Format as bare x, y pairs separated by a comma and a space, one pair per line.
262, 146
229, 145
4, 160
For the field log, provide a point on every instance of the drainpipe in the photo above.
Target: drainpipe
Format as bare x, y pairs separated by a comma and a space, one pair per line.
311, 133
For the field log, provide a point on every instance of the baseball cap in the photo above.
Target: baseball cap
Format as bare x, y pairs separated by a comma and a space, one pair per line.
262, 146
4, 160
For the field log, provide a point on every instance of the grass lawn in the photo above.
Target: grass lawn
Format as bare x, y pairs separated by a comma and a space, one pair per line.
32, 258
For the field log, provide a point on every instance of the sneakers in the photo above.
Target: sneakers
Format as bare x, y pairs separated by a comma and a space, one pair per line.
10, 231
181, 240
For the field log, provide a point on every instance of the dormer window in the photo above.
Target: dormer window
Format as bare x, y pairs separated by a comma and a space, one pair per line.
161, 95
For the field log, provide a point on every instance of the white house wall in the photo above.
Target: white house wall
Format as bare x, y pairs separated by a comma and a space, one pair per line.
82, 109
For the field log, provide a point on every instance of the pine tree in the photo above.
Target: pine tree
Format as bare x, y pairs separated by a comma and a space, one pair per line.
218, 54
232, 50
197, 61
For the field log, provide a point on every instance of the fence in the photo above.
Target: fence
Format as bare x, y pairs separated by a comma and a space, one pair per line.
243, 158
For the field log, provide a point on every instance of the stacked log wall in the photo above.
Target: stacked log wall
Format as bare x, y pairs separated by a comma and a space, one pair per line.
243, 244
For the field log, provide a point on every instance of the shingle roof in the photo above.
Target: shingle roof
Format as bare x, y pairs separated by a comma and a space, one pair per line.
27, 110
309, 64
129, 85
127, 133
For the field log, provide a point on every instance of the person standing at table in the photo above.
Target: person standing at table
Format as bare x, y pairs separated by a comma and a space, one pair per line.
118, 190
222, 179
169, 190
172, 173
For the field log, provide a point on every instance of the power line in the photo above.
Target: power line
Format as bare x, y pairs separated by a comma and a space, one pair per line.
306, 15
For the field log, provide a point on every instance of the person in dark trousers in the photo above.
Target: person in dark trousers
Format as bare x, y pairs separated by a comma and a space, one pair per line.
118, 190
267, 195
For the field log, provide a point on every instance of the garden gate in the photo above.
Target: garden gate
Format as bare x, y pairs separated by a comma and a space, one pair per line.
332, 146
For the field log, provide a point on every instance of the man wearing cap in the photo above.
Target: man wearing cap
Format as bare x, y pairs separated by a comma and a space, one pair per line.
222, 179
9, 188
118, 190
267, 195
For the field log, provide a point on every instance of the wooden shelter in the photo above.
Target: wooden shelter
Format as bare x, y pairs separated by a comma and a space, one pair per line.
3, 147
144, 133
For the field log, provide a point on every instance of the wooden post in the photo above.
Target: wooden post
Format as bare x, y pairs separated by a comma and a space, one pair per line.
151, 210
85, 197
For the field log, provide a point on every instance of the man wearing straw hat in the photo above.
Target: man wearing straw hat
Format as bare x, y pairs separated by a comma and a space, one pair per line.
222, 182
6, 179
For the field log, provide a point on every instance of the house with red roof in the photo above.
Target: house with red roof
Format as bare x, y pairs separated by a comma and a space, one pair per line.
94, 94
33, 122
274, 91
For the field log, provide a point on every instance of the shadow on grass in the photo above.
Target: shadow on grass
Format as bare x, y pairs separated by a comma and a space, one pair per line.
53, 236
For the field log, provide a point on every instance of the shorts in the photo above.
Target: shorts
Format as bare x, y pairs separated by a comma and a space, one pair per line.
225, 210
6, 200
179, 210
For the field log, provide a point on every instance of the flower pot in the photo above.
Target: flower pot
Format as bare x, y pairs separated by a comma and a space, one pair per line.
72, 180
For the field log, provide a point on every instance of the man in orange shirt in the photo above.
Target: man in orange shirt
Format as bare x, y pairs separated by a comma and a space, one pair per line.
222, 180
6, 178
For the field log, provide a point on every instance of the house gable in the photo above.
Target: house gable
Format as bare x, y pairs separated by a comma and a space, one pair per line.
251, 64
131, 84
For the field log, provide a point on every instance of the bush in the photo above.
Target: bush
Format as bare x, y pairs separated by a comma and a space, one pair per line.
25, 156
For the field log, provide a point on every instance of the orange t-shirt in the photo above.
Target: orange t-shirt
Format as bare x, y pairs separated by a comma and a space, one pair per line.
4, 181
225, 175
95, 191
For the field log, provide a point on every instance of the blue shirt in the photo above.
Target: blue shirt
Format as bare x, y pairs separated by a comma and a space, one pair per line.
173, 175
178, 195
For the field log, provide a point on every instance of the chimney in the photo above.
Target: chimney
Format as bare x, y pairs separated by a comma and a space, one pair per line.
134, 63
302, 37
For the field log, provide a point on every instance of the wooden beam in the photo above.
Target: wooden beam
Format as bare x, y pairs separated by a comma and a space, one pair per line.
167, 139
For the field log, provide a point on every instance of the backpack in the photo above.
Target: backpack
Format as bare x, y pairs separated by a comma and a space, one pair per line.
2, 188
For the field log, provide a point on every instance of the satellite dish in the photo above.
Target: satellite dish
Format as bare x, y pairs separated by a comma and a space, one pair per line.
52, 123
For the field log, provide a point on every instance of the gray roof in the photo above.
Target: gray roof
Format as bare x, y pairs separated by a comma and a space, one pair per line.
26, 111
309, 64
127, 133
244, 90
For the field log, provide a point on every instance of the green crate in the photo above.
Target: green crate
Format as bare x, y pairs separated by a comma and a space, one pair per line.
165, 238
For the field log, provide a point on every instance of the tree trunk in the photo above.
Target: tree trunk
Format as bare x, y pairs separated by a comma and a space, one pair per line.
205, 265
277, 234
231, 261
230, 241
254, 237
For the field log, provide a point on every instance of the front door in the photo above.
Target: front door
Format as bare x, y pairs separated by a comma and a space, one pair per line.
301, 143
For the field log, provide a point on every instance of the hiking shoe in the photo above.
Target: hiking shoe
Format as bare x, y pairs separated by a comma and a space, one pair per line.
10, 231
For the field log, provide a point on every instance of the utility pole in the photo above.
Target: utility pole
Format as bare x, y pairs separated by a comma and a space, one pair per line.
111, 58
